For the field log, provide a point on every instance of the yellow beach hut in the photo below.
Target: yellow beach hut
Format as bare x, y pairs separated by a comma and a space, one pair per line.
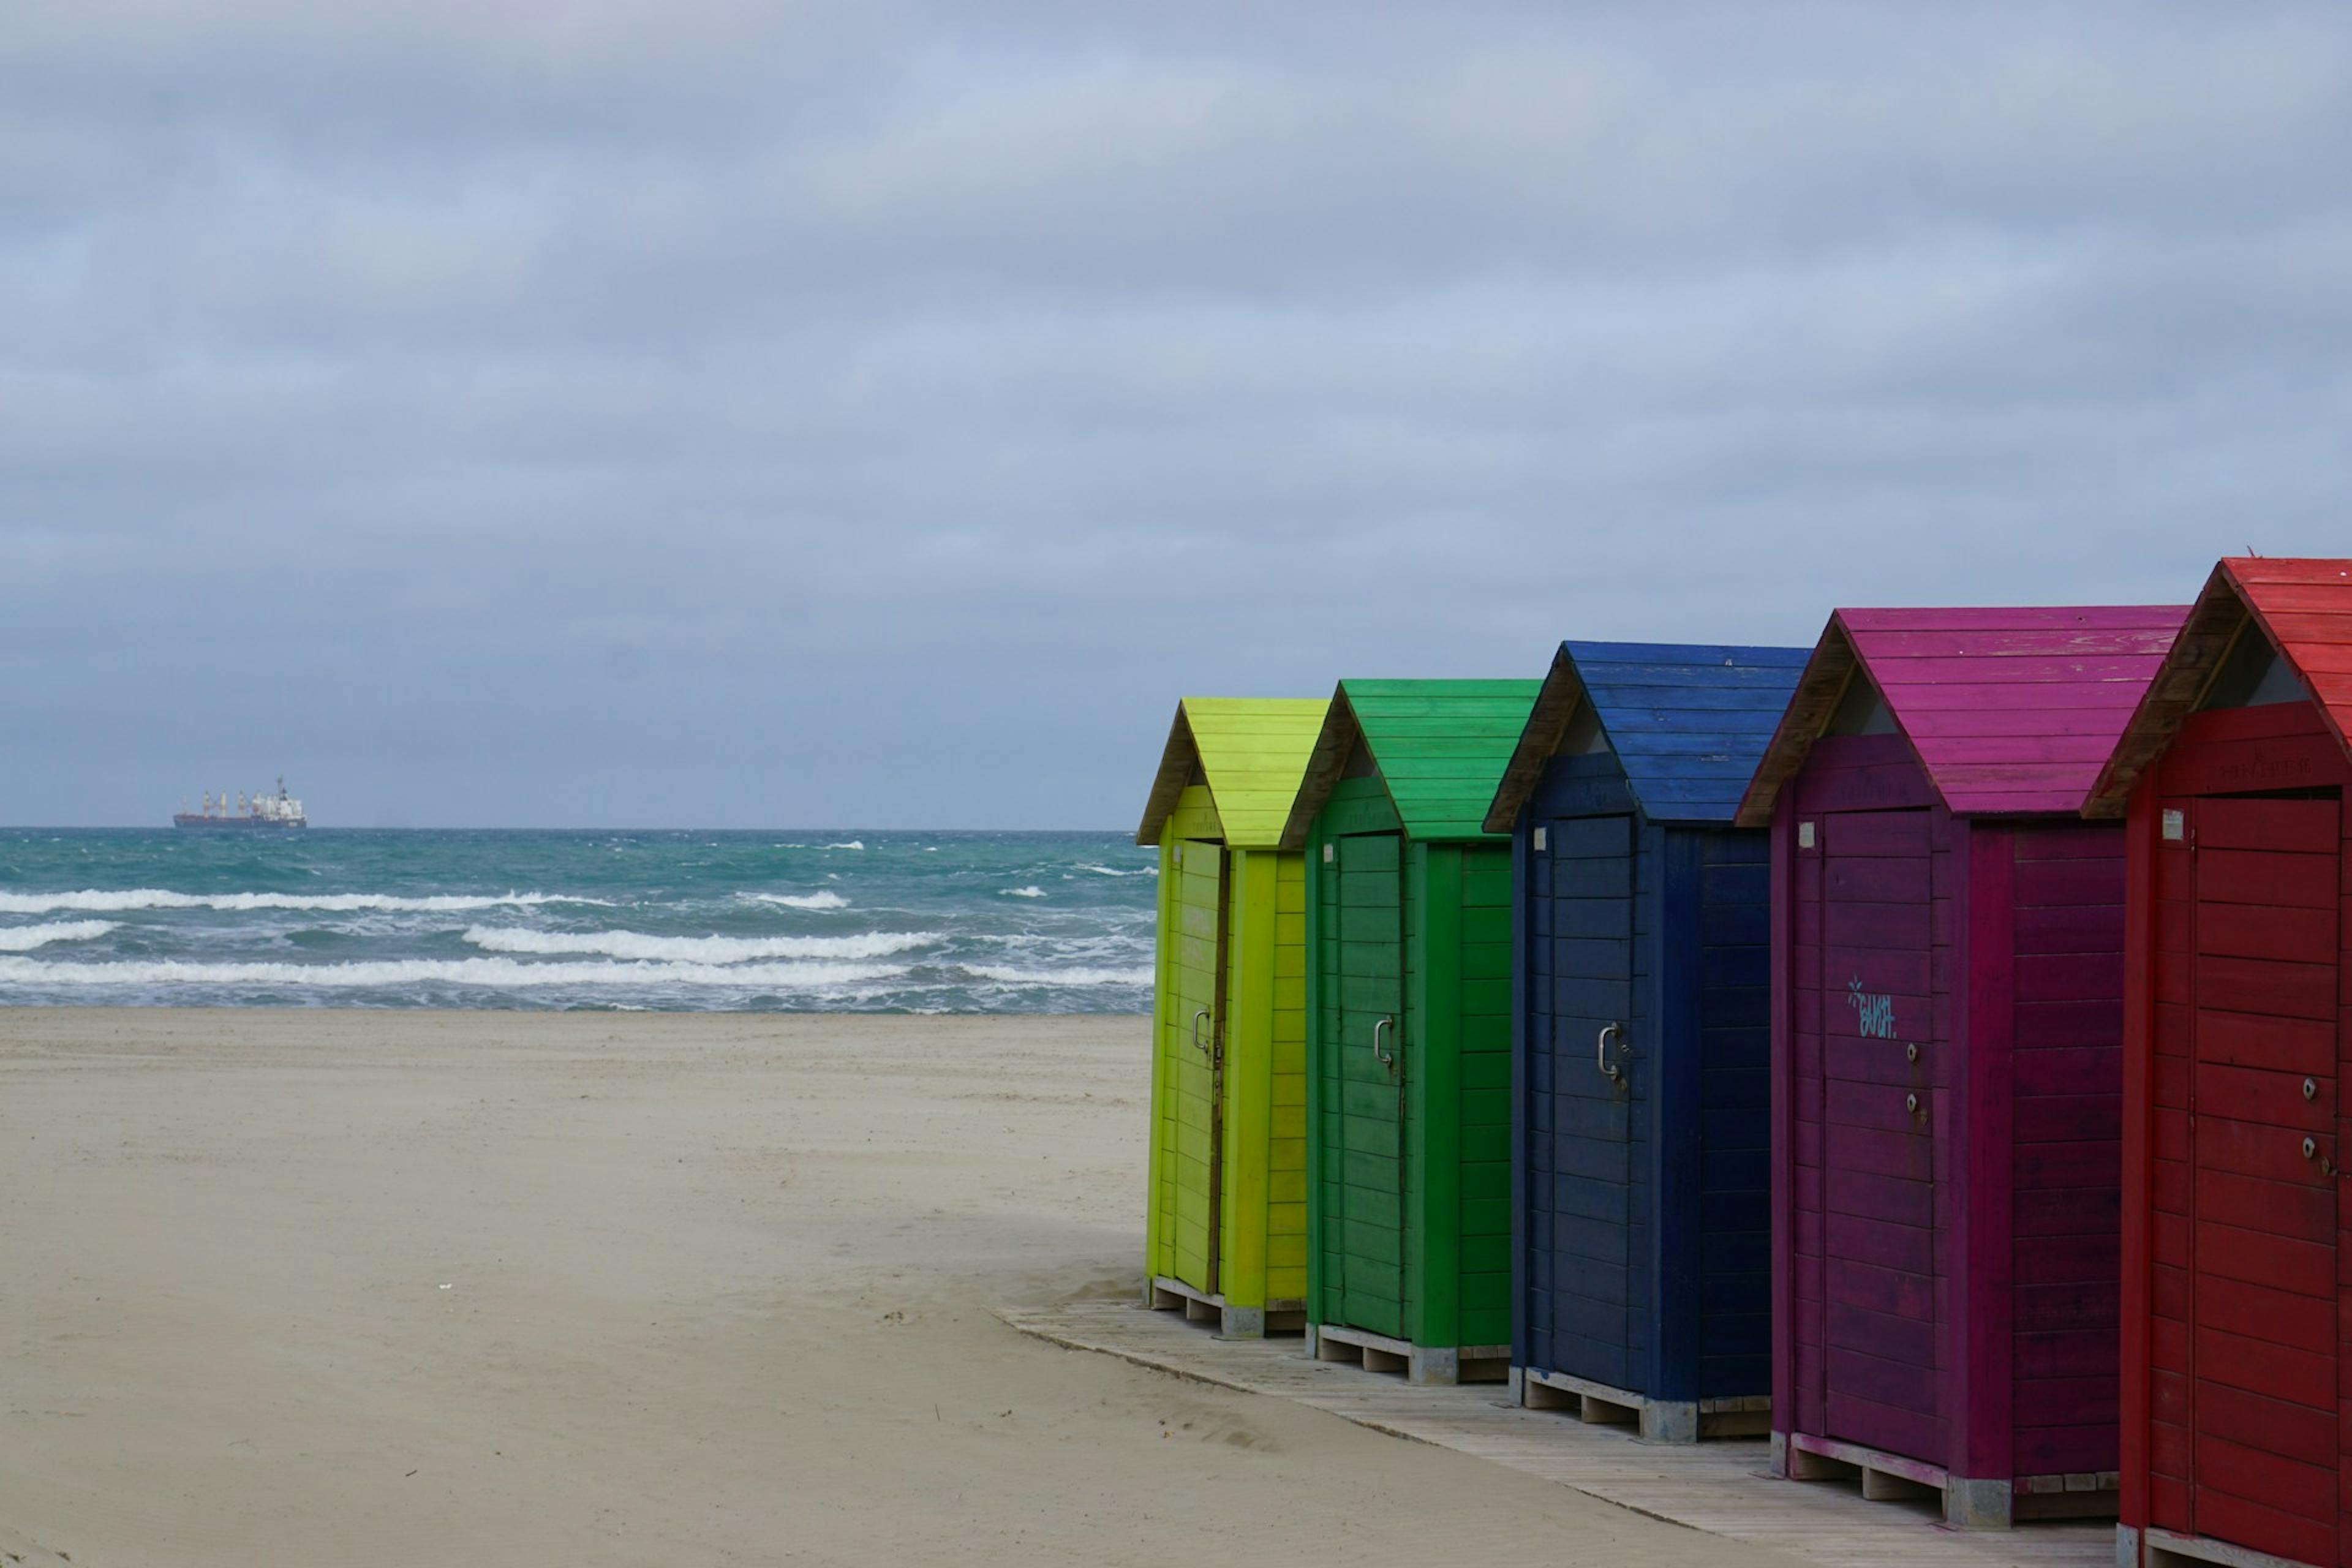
1225, 1236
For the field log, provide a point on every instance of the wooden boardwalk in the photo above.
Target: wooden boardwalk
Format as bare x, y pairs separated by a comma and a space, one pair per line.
1720, 1487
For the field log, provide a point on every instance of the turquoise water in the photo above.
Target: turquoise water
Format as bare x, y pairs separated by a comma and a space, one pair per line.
945, 922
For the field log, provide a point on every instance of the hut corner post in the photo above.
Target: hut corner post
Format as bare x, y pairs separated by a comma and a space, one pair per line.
1433, 1096
1676, 1183
1163, 993
1783, 1140
1977, 1089
1317, 1309
1522, 935
2140, 828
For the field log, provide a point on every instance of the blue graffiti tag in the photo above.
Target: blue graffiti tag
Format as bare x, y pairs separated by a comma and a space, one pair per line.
1873, 1014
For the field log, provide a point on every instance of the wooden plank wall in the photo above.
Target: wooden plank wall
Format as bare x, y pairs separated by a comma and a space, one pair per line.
2240, 1294
1442, 1241
1484, 1080
1285, 1216
1589, 1300
1264, 1211
1183, 973
1431, 1223
1347, 1193
1735, 1048
2066, 1074
1193, 972
1868, 1354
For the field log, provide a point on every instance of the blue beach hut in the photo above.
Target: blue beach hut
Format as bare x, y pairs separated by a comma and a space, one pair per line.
1642, 1038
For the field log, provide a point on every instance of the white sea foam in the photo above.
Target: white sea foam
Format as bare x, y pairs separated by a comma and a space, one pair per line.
488, 974
822, 900
697, 948
1032, 891
1063, 947
329, 903
24, 939
1109, 871
1140, 975
853, 844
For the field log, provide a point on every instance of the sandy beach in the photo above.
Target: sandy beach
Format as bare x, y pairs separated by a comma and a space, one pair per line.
313, 1287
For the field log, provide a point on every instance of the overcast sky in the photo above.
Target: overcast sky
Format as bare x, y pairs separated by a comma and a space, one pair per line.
736, 413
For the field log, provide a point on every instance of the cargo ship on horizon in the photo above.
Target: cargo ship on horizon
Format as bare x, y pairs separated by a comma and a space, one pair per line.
252, 812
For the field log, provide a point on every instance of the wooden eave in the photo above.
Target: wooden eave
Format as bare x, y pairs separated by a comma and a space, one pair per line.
1177, 758
2231, 602
1324, 766
1814, 703
1547, 726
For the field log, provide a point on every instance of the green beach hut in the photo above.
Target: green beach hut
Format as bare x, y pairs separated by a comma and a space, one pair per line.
1409, 1027
1225, 1233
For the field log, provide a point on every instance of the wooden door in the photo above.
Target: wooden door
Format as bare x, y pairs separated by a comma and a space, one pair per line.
1194, 1052
1365, 1076
1582, 973
2263, 953
1881, 1386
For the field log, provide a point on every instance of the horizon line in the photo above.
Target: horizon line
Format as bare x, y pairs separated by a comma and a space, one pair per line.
489, 828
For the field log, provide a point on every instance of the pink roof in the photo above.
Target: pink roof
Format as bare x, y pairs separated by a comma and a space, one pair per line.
2008, 709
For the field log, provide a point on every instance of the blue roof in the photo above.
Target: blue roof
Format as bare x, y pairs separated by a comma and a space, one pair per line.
1688, 723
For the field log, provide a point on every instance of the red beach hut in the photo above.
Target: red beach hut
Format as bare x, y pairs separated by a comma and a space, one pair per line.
1948, 1020
2237, 1383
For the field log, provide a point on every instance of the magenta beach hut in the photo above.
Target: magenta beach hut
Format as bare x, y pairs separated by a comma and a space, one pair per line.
1946, 1068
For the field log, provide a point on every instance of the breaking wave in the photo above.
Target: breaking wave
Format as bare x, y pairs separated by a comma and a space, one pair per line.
326, 903
490, 974
818, 900
853, 844
1077, 976
1032, 891
24, 938
697, 948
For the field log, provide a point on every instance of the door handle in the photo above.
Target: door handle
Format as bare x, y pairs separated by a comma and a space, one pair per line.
1386, 1058
1197, 1020
1601, 1053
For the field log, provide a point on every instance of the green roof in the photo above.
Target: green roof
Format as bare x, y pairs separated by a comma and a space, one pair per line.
1251, 751
1441, 747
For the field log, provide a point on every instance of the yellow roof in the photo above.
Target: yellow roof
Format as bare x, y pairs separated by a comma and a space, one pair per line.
1252, 753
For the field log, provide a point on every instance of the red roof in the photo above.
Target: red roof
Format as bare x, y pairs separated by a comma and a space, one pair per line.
2007, 710
2306, 605
2303, 605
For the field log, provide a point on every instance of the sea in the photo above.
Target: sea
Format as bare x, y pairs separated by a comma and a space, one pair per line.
690, 921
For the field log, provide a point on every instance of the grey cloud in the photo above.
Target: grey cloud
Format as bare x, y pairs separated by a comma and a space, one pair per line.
730, 413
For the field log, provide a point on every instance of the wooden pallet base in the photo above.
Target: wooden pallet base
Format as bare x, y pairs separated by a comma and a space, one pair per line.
2165, 1549
1885, 1478
1438, 1365
1965, 1502
1167, 1295
1658, 1420
2090, 1495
